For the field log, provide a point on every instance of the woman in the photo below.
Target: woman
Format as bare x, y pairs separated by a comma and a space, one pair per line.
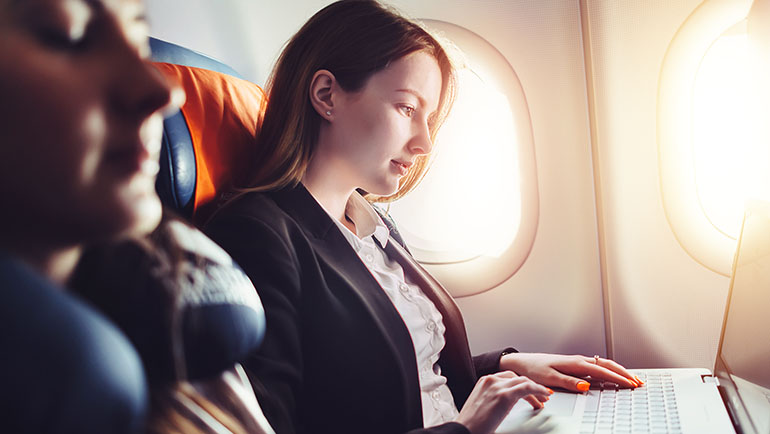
80, 124
81, 134
360, 338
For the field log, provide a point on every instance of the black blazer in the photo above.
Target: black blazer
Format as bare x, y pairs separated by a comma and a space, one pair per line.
337, 357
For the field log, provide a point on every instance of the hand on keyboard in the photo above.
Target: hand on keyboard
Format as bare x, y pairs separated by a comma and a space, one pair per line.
568, 372
494, 396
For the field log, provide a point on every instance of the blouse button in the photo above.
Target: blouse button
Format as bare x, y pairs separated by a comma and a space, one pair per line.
404, 287
431, 326
369, 257
435, 394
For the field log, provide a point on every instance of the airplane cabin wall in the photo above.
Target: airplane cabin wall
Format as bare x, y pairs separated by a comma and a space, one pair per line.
662, 304
553, 303
666, 309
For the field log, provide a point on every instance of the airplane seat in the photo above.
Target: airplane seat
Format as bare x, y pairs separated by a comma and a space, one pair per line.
206, 145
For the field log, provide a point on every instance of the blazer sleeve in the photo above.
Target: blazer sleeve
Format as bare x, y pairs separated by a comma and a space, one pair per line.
275, 370
489, 363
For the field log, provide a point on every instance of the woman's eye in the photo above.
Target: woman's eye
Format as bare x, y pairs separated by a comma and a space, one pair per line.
408, 110
60, 40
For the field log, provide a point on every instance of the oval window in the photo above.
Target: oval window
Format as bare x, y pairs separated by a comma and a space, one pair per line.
713, 155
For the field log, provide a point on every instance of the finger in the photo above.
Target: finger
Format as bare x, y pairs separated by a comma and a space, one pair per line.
532, 392
568, 382
506, 374
617, 367
602, 372
534, 402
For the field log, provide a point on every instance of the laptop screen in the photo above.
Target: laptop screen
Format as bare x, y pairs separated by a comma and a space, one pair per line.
743, 361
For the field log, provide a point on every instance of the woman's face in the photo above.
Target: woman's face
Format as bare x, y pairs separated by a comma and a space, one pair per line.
79, 121
377, 132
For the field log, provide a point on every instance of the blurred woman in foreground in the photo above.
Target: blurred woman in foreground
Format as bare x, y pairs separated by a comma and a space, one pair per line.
80, 124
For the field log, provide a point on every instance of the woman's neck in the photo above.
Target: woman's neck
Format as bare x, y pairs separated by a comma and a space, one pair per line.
57, 264
328, 188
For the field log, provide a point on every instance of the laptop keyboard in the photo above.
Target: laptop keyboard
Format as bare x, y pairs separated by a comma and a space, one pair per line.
648, 409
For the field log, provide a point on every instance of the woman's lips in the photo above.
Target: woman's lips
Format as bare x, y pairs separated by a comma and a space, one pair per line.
402, 168
131, 160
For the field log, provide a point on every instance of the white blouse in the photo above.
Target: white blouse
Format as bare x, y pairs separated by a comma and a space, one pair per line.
420, 315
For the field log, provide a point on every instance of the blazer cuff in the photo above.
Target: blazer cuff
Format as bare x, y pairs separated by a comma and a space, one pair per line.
489, 363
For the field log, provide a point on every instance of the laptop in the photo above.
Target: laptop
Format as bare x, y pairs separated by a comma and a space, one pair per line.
734, 399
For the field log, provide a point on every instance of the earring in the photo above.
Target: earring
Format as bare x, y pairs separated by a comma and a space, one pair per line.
328, 112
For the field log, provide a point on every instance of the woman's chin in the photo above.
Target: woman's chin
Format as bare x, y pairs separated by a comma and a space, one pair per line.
383, 189
142, 216
148, 216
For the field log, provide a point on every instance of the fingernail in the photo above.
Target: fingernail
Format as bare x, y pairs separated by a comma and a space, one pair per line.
583, 386
641, 383
633, 383
549, 391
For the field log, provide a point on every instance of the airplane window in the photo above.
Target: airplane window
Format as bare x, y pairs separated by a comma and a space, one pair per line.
713, 153
472, 219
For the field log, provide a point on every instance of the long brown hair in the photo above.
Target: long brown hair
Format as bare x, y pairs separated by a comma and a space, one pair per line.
353, 39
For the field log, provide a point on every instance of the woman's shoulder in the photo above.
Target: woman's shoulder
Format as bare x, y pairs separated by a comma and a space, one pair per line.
252, 203
282, 212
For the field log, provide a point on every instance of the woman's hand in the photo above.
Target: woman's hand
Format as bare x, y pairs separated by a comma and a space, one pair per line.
568, 372
494, 396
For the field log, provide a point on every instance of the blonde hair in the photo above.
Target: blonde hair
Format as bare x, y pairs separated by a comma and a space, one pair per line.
177, 409
353, 39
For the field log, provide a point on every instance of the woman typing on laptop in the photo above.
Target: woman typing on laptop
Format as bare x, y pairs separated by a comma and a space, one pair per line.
360, 338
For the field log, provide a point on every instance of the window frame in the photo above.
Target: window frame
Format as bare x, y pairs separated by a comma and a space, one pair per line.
692, 228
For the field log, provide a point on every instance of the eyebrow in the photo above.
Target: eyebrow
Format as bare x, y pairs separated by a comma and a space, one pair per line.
415, 93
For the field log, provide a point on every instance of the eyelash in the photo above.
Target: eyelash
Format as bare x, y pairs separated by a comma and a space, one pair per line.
59, 40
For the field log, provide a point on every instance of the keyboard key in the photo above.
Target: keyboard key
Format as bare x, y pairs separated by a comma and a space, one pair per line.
592, 400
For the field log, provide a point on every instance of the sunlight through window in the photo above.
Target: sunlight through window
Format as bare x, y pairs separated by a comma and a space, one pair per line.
730, 156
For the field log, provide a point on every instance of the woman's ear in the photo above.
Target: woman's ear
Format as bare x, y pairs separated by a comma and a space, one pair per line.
322, 88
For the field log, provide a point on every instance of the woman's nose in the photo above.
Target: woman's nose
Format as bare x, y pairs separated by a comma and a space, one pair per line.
421, 143
144, 90
135, 87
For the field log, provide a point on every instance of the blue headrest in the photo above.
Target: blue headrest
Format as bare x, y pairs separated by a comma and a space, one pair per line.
185, 284
177, 176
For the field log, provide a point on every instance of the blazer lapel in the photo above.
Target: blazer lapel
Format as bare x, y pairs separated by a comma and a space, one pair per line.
455, 360
333, 249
